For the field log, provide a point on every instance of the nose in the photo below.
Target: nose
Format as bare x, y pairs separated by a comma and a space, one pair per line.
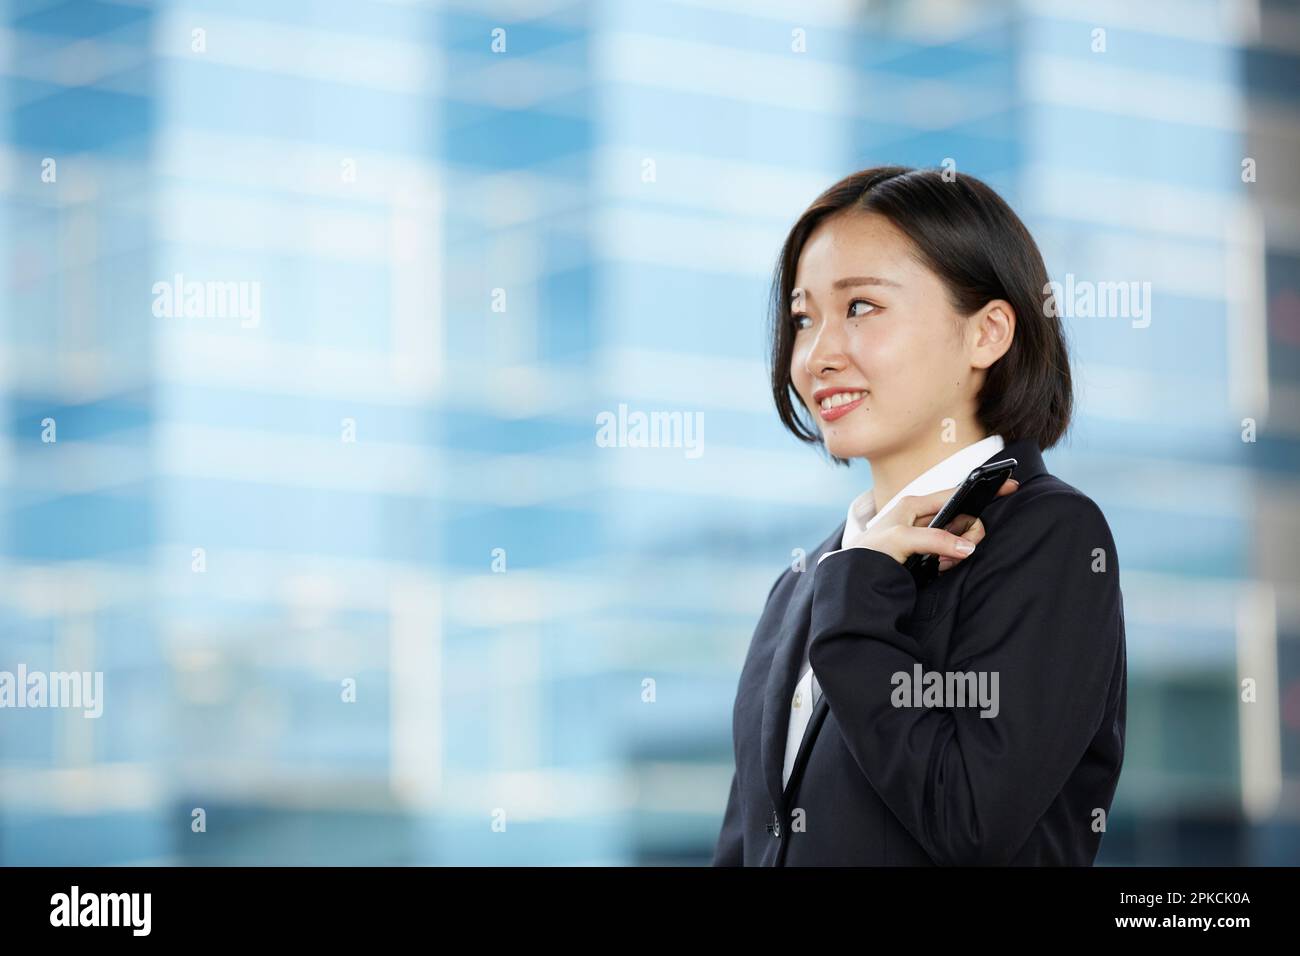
826, 354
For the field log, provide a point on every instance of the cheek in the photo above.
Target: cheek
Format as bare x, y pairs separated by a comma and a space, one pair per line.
897, 366
798, 372
913, 373
877, 354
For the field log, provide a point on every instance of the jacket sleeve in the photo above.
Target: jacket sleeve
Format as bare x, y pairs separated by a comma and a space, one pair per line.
730, 850
1037, 613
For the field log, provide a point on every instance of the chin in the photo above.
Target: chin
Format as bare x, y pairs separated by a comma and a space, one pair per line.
864, 440
846, 446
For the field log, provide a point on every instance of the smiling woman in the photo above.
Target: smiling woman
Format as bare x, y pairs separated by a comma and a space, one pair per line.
897, 269
910, 325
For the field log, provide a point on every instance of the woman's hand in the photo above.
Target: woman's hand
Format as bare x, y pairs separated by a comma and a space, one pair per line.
903, 532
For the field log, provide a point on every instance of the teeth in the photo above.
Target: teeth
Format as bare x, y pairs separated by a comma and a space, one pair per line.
840, 398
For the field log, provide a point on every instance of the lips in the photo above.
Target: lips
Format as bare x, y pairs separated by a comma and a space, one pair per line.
835, 403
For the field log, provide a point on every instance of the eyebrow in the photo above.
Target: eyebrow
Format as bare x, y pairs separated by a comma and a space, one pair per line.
850, 282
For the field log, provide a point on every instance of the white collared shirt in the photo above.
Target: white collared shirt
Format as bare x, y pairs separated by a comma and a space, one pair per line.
950, 472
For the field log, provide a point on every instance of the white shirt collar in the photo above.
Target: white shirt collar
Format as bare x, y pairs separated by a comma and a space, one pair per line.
948, 473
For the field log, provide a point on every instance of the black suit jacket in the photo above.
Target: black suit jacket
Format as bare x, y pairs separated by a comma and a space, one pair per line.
1038, 604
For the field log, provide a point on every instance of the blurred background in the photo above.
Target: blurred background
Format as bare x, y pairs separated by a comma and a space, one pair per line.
360, 577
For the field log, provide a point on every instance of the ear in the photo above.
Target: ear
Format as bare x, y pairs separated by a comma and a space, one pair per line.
995, 326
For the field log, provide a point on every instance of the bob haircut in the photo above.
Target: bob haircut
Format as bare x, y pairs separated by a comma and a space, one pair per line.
967, 235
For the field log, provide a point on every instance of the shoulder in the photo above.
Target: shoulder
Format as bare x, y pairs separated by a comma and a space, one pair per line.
1046, 518
1046, 500
1047, 561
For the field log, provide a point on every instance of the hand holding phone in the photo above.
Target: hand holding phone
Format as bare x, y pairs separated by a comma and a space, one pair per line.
981, 486
900, 535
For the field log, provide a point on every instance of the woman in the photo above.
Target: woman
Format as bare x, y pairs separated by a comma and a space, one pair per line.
977, 719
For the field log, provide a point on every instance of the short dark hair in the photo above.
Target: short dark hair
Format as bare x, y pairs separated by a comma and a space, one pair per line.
968, 236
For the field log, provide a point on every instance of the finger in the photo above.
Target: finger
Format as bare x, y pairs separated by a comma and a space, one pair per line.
939, 542
961, 524
974, 533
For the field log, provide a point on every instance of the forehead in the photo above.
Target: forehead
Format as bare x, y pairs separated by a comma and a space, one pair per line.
853, 243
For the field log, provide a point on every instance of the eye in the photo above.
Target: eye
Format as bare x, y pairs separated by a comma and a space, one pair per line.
797, 319
873, 307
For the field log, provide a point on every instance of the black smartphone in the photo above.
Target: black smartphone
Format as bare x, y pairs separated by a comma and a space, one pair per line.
980, 487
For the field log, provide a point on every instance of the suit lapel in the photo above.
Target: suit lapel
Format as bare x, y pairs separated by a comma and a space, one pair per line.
784, 671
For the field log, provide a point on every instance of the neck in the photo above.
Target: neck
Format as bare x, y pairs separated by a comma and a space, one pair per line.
891, 471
